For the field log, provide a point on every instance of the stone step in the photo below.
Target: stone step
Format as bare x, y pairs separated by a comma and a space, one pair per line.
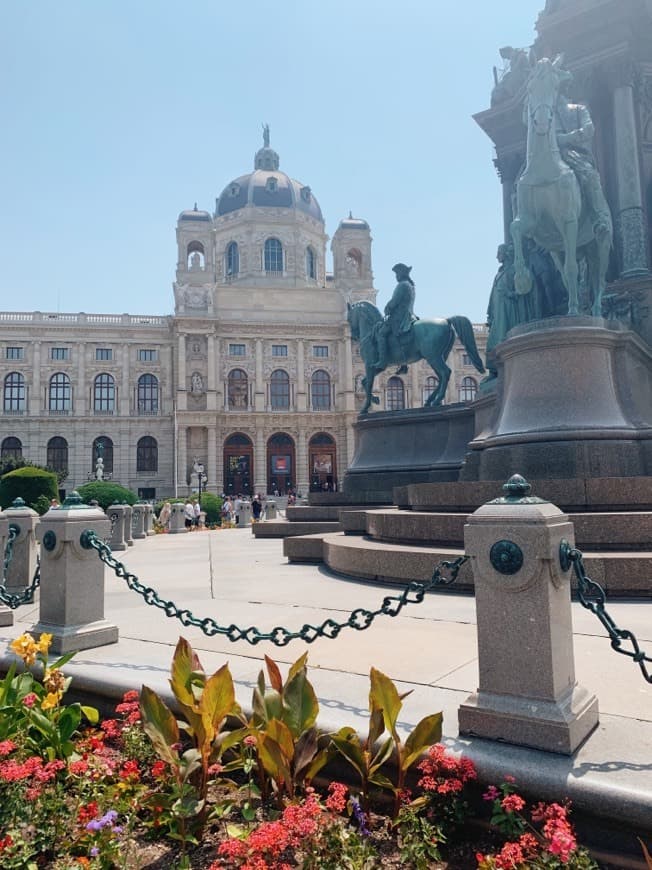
304, 548
322, 513
620, 574
285, 529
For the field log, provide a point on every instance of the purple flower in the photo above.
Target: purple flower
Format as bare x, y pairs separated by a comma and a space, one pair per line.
94, 825
94, 852
360, 817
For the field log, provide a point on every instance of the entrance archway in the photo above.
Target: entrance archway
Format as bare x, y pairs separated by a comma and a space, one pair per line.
238, 464
322, 458
280, 463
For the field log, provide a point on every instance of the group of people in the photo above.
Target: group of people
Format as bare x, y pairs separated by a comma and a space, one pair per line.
231, 511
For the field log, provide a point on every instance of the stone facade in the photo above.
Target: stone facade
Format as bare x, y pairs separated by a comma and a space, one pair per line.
254, 375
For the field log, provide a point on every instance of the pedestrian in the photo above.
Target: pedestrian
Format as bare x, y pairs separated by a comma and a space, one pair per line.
197, 510
227, 511
237, 508
256, 507
189, 515
164, 516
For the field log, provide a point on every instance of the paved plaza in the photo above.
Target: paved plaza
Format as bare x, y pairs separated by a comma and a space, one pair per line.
429, 648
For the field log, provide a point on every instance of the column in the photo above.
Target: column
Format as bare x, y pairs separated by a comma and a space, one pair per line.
181, 372
260, 461
259, 395
211, 398
348, 385
301, 479
213, 467
301, 403
81, 393
630, 216
182, 449
35, 397
125, 398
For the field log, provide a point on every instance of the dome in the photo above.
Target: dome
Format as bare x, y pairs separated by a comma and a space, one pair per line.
195, 214
352, 223
267, 187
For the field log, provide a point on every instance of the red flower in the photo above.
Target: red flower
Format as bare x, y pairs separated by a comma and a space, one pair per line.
6, 747
129, 770
512, 803
158, 768
336, 800
87, 812
5, 843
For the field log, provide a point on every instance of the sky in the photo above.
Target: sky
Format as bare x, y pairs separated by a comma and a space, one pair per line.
119, 114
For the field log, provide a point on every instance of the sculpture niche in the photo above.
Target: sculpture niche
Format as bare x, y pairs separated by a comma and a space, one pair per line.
559, 199
399, 339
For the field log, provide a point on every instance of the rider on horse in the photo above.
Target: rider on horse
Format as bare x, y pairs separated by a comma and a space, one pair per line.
399, 316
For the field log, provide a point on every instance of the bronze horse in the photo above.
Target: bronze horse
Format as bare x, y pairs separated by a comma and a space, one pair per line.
431, 340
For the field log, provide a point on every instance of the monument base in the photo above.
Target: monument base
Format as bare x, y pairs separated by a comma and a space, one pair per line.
69, 638
397, 448
6, 617
553, 726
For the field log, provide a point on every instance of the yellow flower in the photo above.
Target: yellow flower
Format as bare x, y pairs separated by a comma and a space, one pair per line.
44, 642
54, 680
51, 700
25, 647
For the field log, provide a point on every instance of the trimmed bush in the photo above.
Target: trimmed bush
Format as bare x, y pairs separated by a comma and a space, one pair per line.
106, 493
28, 483
212, 504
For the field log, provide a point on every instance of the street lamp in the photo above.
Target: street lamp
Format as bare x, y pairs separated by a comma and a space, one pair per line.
202, 477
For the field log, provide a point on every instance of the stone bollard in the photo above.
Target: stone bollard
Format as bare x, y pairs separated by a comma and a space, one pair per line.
138, 521
149, 520
270, 513
116, 515
6, 613
25, 556
72, 579
528, 694
177, 519
245, 514
129, 534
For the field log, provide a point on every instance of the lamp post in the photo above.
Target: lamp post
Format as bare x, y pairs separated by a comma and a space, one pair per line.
202, 478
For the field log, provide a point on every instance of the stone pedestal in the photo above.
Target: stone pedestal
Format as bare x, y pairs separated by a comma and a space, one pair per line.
72, 579
528, 694
129, 537
138, 521
245, 514
149, 520
116, 515
6, 614
177, 523
270, 513
22, 567
574, 399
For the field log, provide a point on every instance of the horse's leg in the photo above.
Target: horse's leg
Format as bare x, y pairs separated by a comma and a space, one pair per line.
368, 384
522, 277
601, 248
569, 235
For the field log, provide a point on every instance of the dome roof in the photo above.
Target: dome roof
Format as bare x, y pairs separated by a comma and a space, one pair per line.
195, 214
352, 223
267, 187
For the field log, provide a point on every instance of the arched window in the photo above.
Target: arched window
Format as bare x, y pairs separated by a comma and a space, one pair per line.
468, 389
238, 389
232, 260
57, 454
322, 464
59, 394
104, 394
279, 390
147, 454
311, 263
320, 391
395, 394
273, 256
14, 392
353, 263
238, 462
103, 447
147, 394
11, 448
195, 256
429, 387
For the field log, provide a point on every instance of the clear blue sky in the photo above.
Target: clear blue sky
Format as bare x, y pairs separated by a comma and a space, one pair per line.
117, 115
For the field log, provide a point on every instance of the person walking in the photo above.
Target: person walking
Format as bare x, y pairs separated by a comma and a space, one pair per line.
237, 509
197, 514
189, 515
256, 507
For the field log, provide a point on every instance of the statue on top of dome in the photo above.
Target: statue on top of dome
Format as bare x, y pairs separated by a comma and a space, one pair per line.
265, 135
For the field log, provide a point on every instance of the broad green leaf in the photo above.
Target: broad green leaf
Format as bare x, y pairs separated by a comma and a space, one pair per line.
184, 662
279, 732
62, 661
300, 704
274, 761
381, 780
258, 705
91, 714
160, 725
383, 695
273, 705
376, 726
231, 738
299, 665
217, 700
383, 754
69, 721
427, 732
305, 750
275, 678
320, 759
347, 743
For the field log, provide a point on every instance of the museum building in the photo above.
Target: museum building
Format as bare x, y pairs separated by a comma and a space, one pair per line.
254, 376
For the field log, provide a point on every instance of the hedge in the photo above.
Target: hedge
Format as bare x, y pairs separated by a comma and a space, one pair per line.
212, 504
106, 493
28, 483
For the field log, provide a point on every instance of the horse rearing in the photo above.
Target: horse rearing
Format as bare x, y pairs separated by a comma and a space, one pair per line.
431, 340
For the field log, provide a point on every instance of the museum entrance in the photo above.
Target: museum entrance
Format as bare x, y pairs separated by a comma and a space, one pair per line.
322, 463
280, 464
238, 464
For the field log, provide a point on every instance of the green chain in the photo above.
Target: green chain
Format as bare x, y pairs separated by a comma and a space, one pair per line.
359, 619
592, 596
27, 595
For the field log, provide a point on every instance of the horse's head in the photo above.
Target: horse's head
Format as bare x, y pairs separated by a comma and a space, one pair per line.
361, 317
542, 89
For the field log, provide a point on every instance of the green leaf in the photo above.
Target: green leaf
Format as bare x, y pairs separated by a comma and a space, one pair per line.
278, 731
160, 725
69, 721
381, 780
384, 696
299, 665
91, 714
248, 812
300, 704
63, 660
275, 678
376, 726
217, 700
305, 750
274, 761
184, 664
427, 732
347, 743
383, 754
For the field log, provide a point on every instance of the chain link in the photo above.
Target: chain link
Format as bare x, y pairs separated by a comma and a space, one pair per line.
359, 619
27, 595
592, 596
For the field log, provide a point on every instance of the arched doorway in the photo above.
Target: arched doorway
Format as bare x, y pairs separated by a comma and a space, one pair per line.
238, 463
280, 463
323, 464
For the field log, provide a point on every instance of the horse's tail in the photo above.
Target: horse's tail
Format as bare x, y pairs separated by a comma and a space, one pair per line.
464, 331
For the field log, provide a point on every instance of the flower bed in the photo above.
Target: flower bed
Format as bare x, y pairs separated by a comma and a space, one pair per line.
217, 789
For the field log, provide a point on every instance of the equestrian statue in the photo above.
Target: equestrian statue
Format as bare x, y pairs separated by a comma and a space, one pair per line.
400, 338
559, 198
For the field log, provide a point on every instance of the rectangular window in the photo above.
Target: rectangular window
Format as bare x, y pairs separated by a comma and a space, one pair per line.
103, 354
236, 350
60, 353
146, 493
14, 353
466, 360
279, 350
147, 354
320, 350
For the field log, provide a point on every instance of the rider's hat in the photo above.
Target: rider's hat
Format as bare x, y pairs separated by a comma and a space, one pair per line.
401, 267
